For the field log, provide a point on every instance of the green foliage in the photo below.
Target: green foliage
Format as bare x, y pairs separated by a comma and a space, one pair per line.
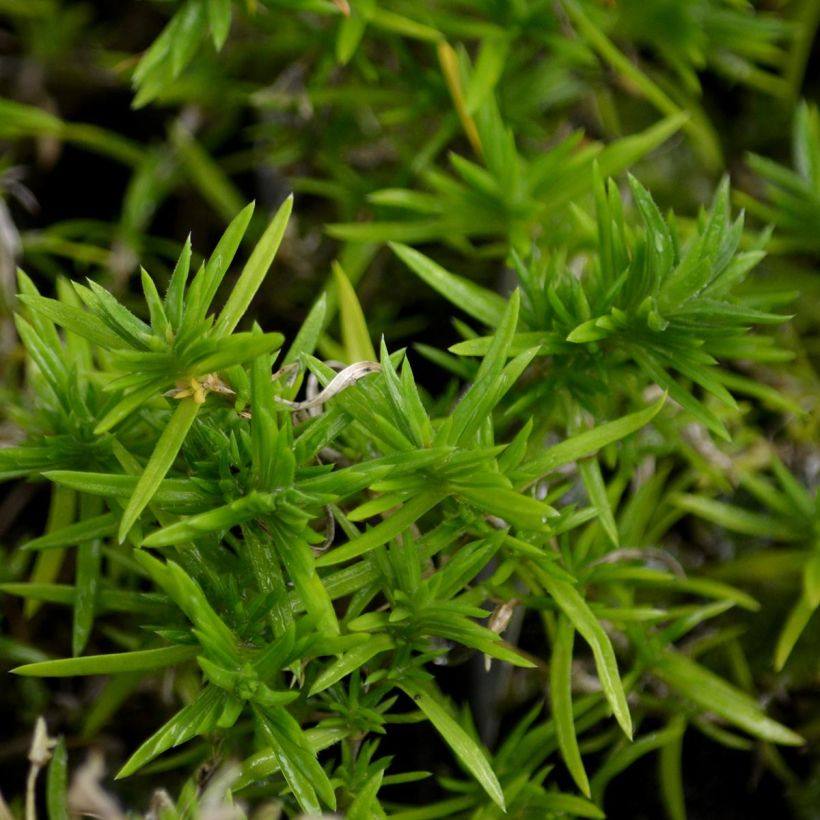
793, 196
299, 516
647, 300
239, 460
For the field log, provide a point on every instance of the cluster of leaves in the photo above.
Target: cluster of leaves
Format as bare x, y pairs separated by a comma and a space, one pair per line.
240, 491
619, 445
793, 196
316, 112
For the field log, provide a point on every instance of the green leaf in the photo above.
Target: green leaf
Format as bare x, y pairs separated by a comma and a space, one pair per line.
18, 120
169, 53
254, 271
305, 340
490, 64
238, 349
264, 763
295, 553
76, 320
350, 34
221, 518
404, 397
44, 357
798, 619
430, 701
399, 24
737, 519
568, 805
211, 631
207, 280
583, 619
171, 491
204, 172
165, 451
811, 578
416, 415
520, 510
159, 321
587, 332
489, 384
115, 663
625, 152
174, 296
196, 718
561, 702
219, 20
265, 435
124, 408
682, 396
713, 694
61, 512
296, 759
670, 771
57, 783
397, 523
478, 302
588, 442
660, 250
87, 579
350, 661
109, 599
355, 334
362, 807
594, 483
124, 323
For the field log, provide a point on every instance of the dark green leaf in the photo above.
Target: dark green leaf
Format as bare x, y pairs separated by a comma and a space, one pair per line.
165, 451
466, 749
714, 694
198, 717
561, 702
139, 661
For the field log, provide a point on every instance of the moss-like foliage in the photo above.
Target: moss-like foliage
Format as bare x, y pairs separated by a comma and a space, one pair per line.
492, 424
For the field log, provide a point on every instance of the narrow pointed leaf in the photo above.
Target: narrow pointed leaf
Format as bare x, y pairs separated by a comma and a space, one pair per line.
355, 334
76, 320
309, 333
583, 619
478, 302
165, 451
383, 532
87, 579
198, 717
587, 443
714, 694
465, 748
57, 783
595, 487
297, 759
561, 702
141, 660
176, 287
219, 20
796, 622
350, 661
254, 272
366, 802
